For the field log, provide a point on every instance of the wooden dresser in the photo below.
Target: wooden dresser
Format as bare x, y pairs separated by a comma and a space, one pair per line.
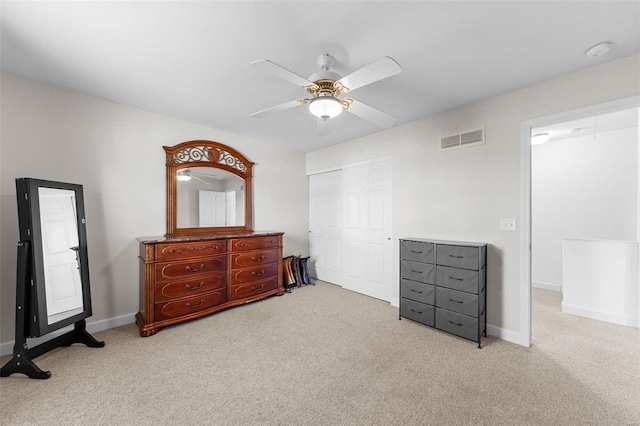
187, 277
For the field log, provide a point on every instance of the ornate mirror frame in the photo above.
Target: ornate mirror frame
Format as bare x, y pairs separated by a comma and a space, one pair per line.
203, 153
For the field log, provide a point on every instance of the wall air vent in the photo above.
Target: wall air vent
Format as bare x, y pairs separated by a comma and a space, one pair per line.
473, 137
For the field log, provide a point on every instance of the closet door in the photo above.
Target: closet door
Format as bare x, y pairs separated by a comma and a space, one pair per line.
350, 228
367, 232
325, 226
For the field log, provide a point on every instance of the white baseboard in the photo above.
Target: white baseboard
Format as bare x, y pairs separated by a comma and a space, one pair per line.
395, 302
92, 327
600, 316
501, 333
547, 286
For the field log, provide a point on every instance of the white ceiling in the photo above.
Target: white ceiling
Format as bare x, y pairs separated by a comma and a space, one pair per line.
191, 60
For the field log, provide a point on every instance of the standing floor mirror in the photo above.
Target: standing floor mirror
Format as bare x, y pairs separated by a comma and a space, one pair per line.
52, 282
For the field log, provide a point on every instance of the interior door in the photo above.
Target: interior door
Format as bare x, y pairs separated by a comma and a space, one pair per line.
60, 247
212, 208
325, 226
367, 233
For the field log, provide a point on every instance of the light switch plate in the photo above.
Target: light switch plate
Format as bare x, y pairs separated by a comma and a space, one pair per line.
507, 224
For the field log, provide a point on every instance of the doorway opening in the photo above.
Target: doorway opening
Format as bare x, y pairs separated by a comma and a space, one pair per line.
572, 195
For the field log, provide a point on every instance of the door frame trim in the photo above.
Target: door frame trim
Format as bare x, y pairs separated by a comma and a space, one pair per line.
347, 165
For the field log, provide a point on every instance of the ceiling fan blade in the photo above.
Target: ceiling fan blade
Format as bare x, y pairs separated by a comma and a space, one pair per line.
201, 180
281, 72
380, 69
371, 114
323, 127
278, 108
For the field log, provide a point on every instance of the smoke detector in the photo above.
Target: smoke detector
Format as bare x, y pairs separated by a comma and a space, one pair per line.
598, 50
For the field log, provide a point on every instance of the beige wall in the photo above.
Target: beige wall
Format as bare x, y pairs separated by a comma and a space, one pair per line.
462, 194
116, 153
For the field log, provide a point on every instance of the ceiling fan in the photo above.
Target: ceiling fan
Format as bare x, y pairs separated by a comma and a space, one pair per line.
186, 175
325, 88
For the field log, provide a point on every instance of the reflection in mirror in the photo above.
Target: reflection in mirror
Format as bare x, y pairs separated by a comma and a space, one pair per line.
60, 246
208, 197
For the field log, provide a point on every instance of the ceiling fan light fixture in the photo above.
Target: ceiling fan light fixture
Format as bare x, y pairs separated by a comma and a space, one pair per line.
183, 177
325, 107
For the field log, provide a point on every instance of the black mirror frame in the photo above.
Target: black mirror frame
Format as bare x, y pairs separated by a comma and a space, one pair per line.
31, 233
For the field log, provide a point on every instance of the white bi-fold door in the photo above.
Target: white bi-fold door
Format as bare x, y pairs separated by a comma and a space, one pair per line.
350, 228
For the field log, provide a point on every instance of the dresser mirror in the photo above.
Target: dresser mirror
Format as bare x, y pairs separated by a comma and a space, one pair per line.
209, 189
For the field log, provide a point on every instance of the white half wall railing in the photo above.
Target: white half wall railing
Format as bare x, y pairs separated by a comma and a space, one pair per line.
601, 280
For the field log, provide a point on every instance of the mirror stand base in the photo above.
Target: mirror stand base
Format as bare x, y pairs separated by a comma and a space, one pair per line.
22, 361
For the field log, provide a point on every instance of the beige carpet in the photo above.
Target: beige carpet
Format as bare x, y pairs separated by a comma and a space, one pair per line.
326, 356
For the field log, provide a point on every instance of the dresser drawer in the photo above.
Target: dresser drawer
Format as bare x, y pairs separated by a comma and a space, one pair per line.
171, 251
458, 324
239, 276
417, 311
256, 243
185, 269
243, 260
420, 292
416, 271
460, 279
418, 251
459, 256
176, 289
186, 306
240, 291
460, 302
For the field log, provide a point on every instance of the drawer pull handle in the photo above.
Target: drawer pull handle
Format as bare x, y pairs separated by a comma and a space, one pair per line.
456, 301
415, 312
257, 259
188, 286
455, 323
415, 291
258, 274
257, 288
417, 272
419, 252
457, 279
190, 269
457, 257
190, 306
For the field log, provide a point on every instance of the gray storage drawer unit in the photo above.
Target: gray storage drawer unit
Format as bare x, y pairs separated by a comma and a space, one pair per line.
443, 285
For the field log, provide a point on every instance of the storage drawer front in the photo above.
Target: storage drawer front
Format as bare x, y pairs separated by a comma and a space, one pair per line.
415, 271
458, 301
256, 273
257, 243
458, 279
417, 251
193, 249
244, 260
247, 290
460, 325
176, 289
189, 268
458, 256
417, 311
419, 292
186, 306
